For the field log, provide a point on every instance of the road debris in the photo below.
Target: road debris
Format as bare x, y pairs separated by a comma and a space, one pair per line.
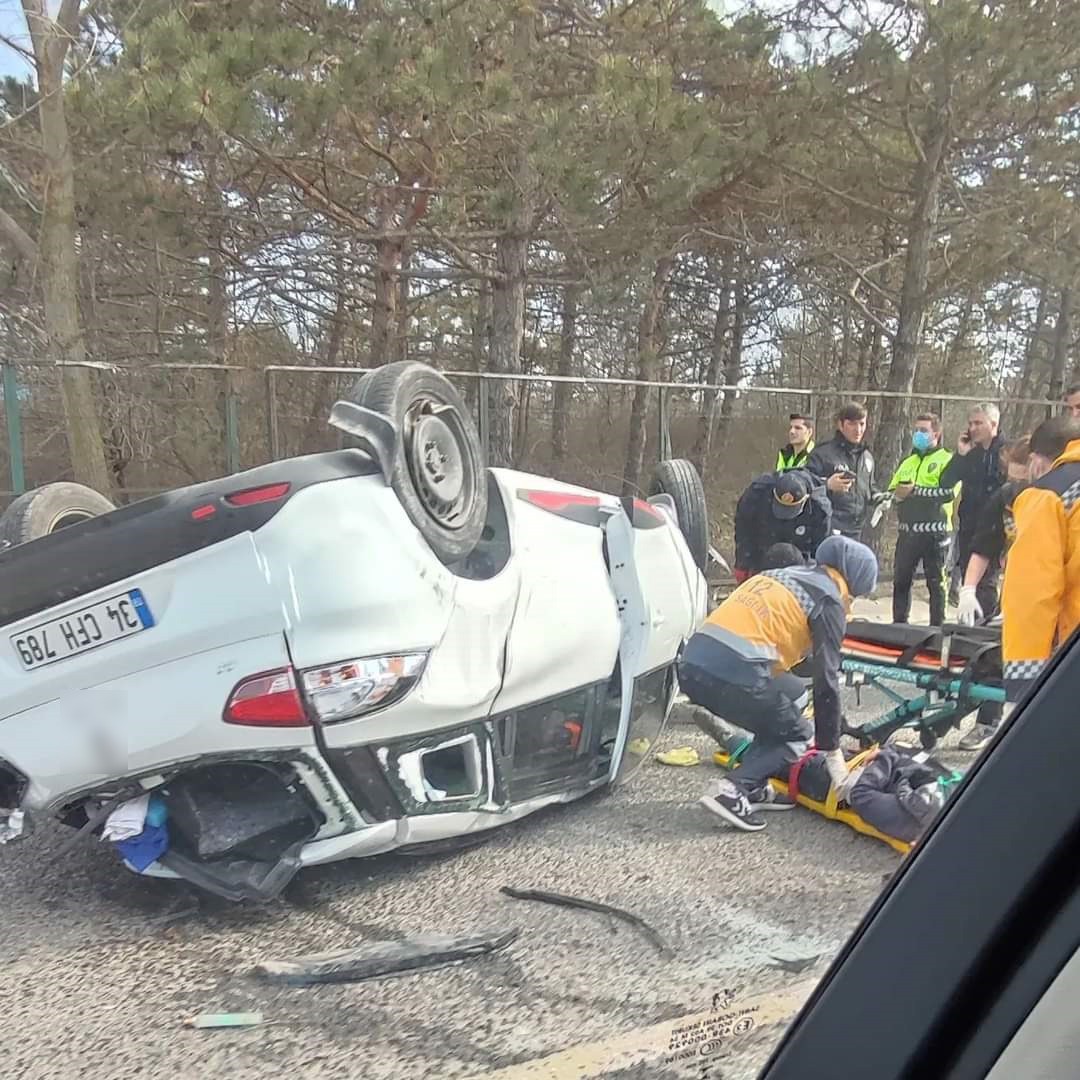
12, 825
224, 1020
685, 756
170, 918
794, 965
419, 953
559, 900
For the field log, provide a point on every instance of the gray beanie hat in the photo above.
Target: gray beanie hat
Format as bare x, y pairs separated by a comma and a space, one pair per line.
855, 563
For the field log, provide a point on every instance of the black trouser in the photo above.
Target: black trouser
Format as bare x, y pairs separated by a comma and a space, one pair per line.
930, 549
770, 707
987, 590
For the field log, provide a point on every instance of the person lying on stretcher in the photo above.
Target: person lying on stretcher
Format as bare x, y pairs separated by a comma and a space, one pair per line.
896, 790
738, 666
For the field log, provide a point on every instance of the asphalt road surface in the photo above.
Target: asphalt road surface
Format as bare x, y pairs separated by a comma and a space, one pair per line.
97, 977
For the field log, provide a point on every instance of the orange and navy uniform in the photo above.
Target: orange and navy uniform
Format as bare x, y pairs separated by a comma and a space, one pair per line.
1041, 595
769, 624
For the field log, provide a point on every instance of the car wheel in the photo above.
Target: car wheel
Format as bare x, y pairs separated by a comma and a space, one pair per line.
438, 471
680, 480
49, 509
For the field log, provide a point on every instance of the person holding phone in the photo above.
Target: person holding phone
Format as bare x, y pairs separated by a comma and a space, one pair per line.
846, 464
977, 467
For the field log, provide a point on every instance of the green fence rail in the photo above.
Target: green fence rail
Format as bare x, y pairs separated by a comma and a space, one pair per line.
167, 424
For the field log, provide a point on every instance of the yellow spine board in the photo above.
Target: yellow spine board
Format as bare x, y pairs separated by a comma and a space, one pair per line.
830, 809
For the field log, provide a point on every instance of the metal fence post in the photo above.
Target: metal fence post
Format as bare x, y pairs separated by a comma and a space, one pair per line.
13, 416
273, 434
232, 425
484, 415
664, 432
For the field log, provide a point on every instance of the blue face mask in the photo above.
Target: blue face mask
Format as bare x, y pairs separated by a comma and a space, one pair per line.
922, 440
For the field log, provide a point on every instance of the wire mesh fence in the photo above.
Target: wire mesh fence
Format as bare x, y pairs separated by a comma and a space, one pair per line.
168, 425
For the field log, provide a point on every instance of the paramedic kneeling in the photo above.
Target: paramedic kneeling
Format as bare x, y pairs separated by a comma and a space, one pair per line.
738, 666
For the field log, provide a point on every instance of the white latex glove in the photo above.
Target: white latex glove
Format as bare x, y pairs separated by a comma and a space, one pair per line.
968, 611
837, 769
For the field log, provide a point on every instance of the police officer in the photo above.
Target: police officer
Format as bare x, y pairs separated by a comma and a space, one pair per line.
800, 444
779, 508
924, 508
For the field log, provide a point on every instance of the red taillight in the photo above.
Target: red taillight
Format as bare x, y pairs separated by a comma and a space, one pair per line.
647, 508
267, 700
558, 500
200, 513
251, 496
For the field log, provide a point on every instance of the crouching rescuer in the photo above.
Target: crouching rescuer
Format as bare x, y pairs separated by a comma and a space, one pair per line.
738, 666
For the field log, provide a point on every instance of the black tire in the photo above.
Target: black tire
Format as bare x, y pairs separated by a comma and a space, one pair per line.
439, 472
679, 479
48, 509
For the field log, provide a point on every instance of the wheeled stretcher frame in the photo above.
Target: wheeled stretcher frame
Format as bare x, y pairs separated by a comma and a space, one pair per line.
956, 668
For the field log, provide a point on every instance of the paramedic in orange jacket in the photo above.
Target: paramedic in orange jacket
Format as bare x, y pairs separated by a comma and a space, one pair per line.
1041, 598
738, 666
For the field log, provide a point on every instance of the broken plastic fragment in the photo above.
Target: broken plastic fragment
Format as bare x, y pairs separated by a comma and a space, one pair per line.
638, 747
221, 1020
561, 900
685, 756
12, 826
382, 958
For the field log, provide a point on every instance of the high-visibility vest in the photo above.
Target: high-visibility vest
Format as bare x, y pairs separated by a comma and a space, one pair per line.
929, 508
789, 458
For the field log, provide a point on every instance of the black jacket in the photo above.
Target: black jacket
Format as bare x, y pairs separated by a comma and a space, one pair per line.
757, 528
981, 474
850, 509
995, 529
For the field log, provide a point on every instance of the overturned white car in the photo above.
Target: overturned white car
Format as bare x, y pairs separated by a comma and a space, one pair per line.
337, 655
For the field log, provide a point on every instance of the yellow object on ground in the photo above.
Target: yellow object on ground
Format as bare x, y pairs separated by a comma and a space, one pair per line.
681, 755
639, 747
830, 809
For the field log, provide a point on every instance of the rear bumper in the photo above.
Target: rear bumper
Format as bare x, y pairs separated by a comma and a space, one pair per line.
387, 836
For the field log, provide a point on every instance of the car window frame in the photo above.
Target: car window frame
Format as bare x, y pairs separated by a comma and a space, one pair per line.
975, 924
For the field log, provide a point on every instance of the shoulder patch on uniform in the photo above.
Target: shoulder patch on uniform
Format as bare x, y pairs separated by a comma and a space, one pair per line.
1059, 480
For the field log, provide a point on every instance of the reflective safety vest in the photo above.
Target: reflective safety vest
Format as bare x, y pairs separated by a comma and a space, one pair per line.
790, 458
929, 508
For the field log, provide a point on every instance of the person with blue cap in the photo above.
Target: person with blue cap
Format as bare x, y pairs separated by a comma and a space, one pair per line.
789, 507
738, 665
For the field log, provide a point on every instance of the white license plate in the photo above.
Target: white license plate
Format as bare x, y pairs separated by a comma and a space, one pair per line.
99, 624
